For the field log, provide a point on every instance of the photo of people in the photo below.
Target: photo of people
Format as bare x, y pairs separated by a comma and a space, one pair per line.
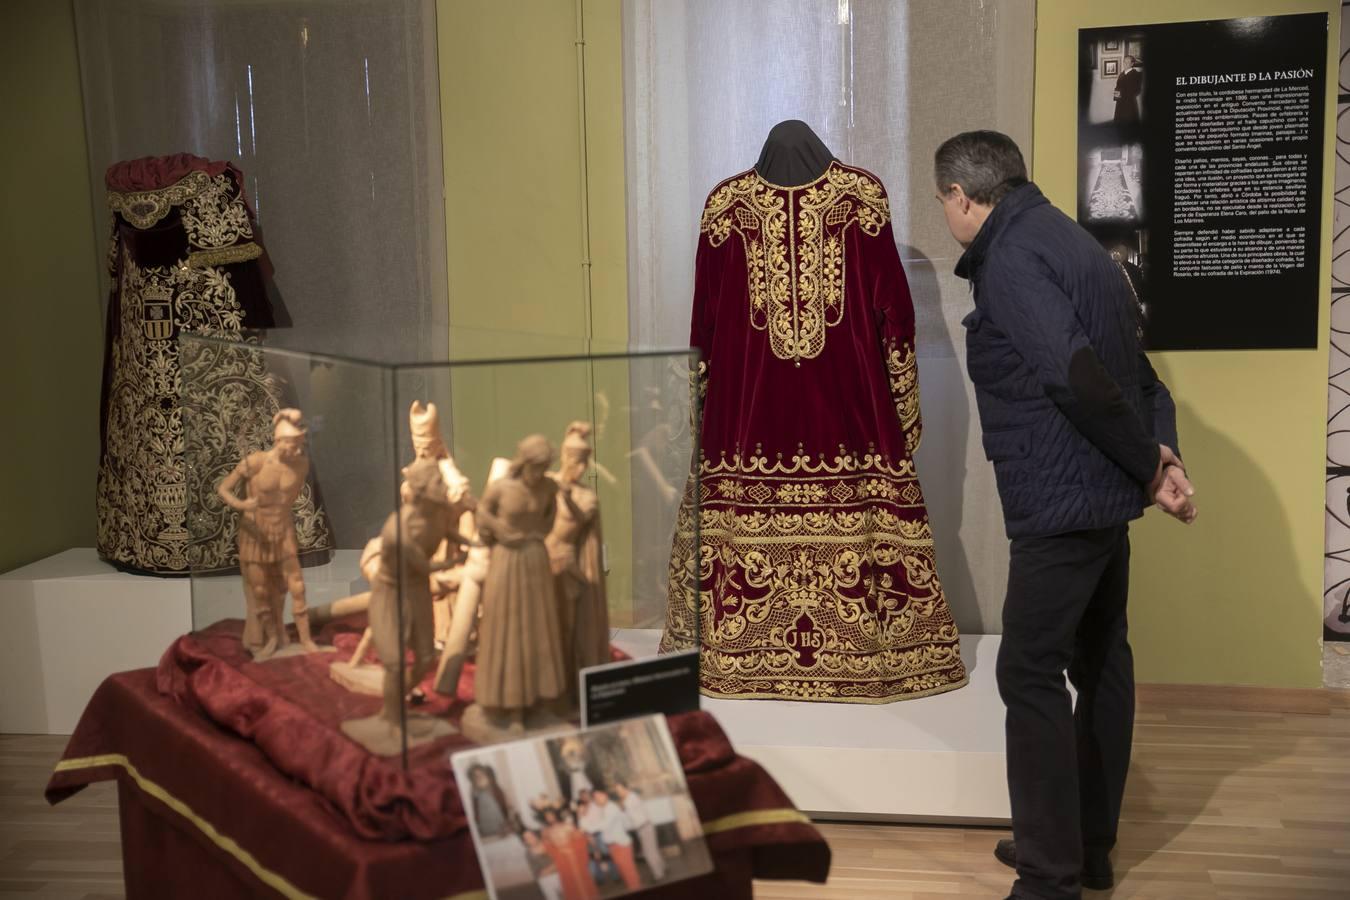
583, 815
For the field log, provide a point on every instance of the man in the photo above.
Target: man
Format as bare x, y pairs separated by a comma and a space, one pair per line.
590, 819
1129, 85
640, 821
1082, 436
614, 832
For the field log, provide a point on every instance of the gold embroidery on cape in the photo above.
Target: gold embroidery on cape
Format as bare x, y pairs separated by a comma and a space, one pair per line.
154, 513
795, 249
146, 208
903, 368
215, 216
225, 255
815, 583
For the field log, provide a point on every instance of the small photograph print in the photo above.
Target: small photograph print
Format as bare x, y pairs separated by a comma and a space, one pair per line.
582, 815
1116, 92
1112, 188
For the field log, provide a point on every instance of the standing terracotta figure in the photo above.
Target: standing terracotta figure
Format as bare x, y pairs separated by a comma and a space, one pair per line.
424, 426
522, 662
574, 552
268, 551
472, 575
400, 595
408, 542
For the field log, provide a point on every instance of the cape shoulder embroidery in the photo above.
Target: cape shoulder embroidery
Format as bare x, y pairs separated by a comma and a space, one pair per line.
795, 249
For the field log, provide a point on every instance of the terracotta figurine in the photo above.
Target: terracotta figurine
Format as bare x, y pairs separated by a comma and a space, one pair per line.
424, 425
468, 594
268, 551
575, 554
401, 590
522, 661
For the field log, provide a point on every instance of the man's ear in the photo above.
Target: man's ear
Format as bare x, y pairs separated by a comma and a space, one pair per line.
962, 200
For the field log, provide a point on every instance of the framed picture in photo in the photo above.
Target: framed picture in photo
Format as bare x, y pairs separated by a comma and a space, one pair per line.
1111, 67
1134, 47
1112, 44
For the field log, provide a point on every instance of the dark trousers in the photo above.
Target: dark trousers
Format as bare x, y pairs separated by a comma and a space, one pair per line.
1065, 611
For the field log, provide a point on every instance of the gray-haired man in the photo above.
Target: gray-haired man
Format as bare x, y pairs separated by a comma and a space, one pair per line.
1082, 435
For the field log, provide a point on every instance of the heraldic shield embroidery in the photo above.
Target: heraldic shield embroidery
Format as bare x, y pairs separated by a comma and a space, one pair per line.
184, 257
815, 576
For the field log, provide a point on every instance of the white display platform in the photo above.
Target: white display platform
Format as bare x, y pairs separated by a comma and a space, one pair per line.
72, 620
935, 759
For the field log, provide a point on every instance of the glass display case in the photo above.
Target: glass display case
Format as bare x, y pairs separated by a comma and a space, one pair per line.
496, 525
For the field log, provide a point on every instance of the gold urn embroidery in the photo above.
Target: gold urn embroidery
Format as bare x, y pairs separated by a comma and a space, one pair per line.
795, 250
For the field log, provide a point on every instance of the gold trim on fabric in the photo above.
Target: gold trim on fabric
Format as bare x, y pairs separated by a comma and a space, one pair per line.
801, 464
869, 701
755, 818
815, 579
903, 367
224, 256
144, 209
794, 241
798, 187
229, 845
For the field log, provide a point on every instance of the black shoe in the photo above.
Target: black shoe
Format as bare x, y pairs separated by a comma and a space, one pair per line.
1097, 874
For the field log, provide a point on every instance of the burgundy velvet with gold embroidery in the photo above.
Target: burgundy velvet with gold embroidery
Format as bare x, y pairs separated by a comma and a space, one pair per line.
816, 571
185, 256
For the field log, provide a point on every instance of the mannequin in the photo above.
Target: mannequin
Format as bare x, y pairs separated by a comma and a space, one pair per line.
793, 155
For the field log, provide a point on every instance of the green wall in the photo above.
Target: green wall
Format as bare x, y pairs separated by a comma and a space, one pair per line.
50, 328
1236, 599
536, 232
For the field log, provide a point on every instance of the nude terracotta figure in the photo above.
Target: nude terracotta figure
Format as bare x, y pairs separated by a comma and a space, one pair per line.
269, 557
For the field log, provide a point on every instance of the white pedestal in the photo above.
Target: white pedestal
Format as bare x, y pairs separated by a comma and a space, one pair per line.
72, 620
935, 759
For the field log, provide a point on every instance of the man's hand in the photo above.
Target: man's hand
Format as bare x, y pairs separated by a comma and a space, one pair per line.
1171, 489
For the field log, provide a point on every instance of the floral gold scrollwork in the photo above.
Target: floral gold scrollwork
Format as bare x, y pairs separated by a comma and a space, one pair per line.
145, 209
903, 369
157, 510
815, 580
795, 242
215, 216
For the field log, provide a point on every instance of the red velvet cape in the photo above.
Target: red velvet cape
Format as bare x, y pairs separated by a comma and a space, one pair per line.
816, 574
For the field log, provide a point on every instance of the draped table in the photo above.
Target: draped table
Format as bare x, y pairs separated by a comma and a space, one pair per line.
230, 788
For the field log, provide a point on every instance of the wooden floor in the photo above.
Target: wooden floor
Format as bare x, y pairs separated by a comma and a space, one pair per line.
1230, 797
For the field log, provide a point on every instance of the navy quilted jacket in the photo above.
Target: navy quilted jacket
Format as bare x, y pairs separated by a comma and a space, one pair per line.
1071, 409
